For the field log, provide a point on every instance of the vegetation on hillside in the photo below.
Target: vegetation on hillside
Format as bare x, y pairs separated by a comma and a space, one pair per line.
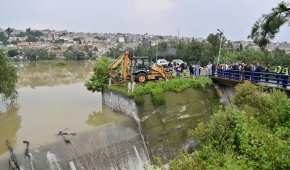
252, 133
8, 77
3, 38
157, 89
77, 54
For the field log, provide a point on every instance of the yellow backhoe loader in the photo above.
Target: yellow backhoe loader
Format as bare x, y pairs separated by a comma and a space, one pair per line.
138, 67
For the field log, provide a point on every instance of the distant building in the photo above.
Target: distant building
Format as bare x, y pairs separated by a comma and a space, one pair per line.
245, 45
121, 40
282, 46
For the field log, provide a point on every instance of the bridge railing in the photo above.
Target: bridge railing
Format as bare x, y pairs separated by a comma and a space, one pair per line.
254, 77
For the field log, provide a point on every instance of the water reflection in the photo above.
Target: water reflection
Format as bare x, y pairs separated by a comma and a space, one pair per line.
52, 73
9, 125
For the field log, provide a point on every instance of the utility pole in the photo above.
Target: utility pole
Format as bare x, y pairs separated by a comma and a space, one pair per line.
156, 53
220, 48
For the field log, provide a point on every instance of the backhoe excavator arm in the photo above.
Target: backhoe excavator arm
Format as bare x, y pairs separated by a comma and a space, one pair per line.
124, 61
117, 62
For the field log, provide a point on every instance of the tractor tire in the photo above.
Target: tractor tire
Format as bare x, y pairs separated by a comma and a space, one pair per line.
141, 78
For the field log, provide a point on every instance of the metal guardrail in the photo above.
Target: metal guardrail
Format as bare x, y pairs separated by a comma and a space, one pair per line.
254, 77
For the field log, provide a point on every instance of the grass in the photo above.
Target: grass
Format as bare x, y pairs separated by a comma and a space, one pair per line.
157, 89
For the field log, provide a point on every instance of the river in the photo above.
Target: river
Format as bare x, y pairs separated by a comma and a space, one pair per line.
52, 98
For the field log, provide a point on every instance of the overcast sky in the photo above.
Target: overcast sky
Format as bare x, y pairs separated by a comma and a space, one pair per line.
195, 18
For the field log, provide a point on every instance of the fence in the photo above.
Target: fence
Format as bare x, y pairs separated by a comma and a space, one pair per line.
254, 77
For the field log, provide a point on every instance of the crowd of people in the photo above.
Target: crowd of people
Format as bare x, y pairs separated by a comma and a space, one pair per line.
255, 73
193, 69
238, 71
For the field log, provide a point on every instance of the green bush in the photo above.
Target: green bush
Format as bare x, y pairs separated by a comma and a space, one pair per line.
139, 100
99, 79
8, 77
253, 133
157, 89
157, 96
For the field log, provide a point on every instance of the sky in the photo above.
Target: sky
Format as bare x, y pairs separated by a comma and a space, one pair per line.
195, 18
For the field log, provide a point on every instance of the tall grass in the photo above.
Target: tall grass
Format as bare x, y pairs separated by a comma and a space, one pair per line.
158, 89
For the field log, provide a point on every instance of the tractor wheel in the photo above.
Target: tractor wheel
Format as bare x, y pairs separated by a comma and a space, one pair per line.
141, 78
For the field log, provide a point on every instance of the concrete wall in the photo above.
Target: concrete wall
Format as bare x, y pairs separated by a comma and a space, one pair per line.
225, 93
121, 104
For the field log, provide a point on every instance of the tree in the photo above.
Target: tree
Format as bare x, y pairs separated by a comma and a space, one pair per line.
38, 54
8, 77
214, 41
59, 41
265, 29
101, 75
12, 53
73, 54
31, 38
9, 31
3, 37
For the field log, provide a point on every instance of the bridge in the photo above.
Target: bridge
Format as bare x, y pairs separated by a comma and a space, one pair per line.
226, 80
265, 79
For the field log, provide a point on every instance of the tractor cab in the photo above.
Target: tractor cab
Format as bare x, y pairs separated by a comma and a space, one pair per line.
141, 64
141, 68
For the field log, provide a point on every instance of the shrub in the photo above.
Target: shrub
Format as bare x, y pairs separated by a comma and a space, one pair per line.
100, 77
139, 100
157, 89
157, 96
253, 133
8, 77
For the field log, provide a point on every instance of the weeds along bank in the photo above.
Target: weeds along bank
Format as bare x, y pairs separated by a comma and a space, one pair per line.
158, 89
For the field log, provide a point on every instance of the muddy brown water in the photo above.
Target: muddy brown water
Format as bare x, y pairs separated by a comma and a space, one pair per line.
52, 97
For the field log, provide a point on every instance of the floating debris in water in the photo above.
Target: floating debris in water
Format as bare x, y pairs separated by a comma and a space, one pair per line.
183, 109
183, 116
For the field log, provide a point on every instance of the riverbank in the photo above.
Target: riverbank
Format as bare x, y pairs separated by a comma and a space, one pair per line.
166, 126
251, 133
157, 89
